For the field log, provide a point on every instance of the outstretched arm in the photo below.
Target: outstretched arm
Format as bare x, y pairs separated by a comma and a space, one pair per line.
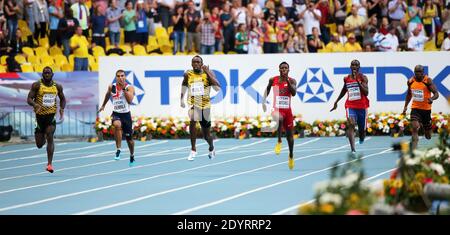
107, 96
266, 93
343, 91
184, 87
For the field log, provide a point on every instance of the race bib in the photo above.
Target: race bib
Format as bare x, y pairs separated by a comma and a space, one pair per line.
282, 102
354, 93
140, 24
119, 105
417, 95
197, 89
48, 100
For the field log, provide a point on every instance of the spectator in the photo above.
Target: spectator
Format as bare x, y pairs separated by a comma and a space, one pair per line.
239, 12
256, 37
255, 10
314, 41
334, 45
215, 19
302, 40
397, 10
341, 34
352, 45
178, 20
41, 18
392, 40
325, 18
164, 9
340, 14
446, 44
28, 5
311, 18
129, 18
113, 16
11, 10
415, 16
374, 8
355, 24
446, 18
384, 26
361, 5
192, 19
80, 47
141, 24
152, 13
55, 13
207, 31
429, 12
15, 48
81, 13
98, 21
67, 27
242, 39
270, 36
403, 34
227, 22
417, 42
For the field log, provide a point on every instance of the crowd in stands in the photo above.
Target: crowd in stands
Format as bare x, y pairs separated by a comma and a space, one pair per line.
82, 30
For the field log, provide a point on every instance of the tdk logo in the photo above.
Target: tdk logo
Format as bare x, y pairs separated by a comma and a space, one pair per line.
314, 86
138, 89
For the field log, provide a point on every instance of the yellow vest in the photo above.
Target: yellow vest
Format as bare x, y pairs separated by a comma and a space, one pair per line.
46, 98
198, 89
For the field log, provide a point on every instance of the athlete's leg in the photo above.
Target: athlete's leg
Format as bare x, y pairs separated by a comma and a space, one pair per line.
414, 133
39, 134
362, 121
192, 128
50, 143
290, 140
118, 133
426, 123
351, 132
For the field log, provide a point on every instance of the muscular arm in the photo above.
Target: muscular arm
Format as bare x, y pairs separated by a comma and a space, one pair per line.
32, 94
107, 96
433, 90
212, 79
363, 85
129, 94
267, 91
292, 86
62, 98
184, 86
343, 91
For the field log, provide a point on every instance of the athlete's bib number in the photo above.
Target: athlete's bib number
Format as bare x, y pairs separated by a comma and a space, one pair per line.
417, 95
119, 105
140, 24
48, 100
354, 93
282, 102
197, 89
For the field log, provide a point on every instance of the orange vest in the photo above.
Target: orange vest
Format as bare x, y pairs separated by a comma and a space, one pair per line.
420, 93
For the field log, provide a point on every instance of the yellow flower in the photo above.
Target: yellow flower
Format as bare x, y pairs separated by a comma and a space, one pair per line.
306, 209
327, 208
444, 180
415, 187
369, 130
387, 183
354, 198
397, 183
420, 176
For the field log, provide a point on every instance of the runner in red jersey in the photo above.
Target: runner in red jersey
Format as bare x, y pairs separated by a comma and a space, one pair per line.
356, 86
284, 88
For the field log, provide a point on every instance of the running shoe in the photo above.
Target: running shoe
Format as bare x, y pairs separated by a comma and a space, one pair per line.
49, 168
278, 148
291, 163
117, 157
212, 154
192, 155
132, 161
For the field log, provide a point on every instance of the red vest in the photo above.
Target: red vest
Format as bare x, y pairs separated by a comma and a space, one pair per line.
355, 97
281, 94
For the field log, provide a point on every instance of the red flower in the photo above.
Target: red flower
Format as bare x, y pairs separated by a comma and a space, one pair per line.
427, 180
342, 126
104, 131
393, 191
394, 174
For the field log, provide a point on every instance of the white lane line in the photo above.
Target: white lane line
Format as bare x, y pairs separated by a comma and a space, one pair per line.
125, 183
296, 207
268, 186
116, 171
58, 152
27, 149
86, 165
77, 158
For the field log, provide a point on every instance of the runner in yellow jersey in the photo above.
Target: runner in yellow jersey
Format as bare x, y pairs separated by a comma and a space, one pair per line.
197, 83
42, 97
420, 87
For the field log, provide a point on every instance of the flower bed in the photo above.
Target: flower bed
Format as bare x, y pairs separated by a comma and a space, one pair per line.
377, 124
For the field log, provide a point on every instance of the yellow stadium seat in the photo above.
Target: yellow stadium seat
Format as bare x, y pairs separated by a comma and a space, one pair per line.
71, 59
47, 60
127, 54
181, 53
38, 68
55, 50
125, 48
27, 68
60, 59
55, 68
195, 53
152, 44
28, 51
94, 67
98, 51
167, 53
218, 53
20, 59
430, 46
161, 32
3, 69
139, 50
33, 59
113, 54
3, 59
67, 67
43, 42
41, 51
